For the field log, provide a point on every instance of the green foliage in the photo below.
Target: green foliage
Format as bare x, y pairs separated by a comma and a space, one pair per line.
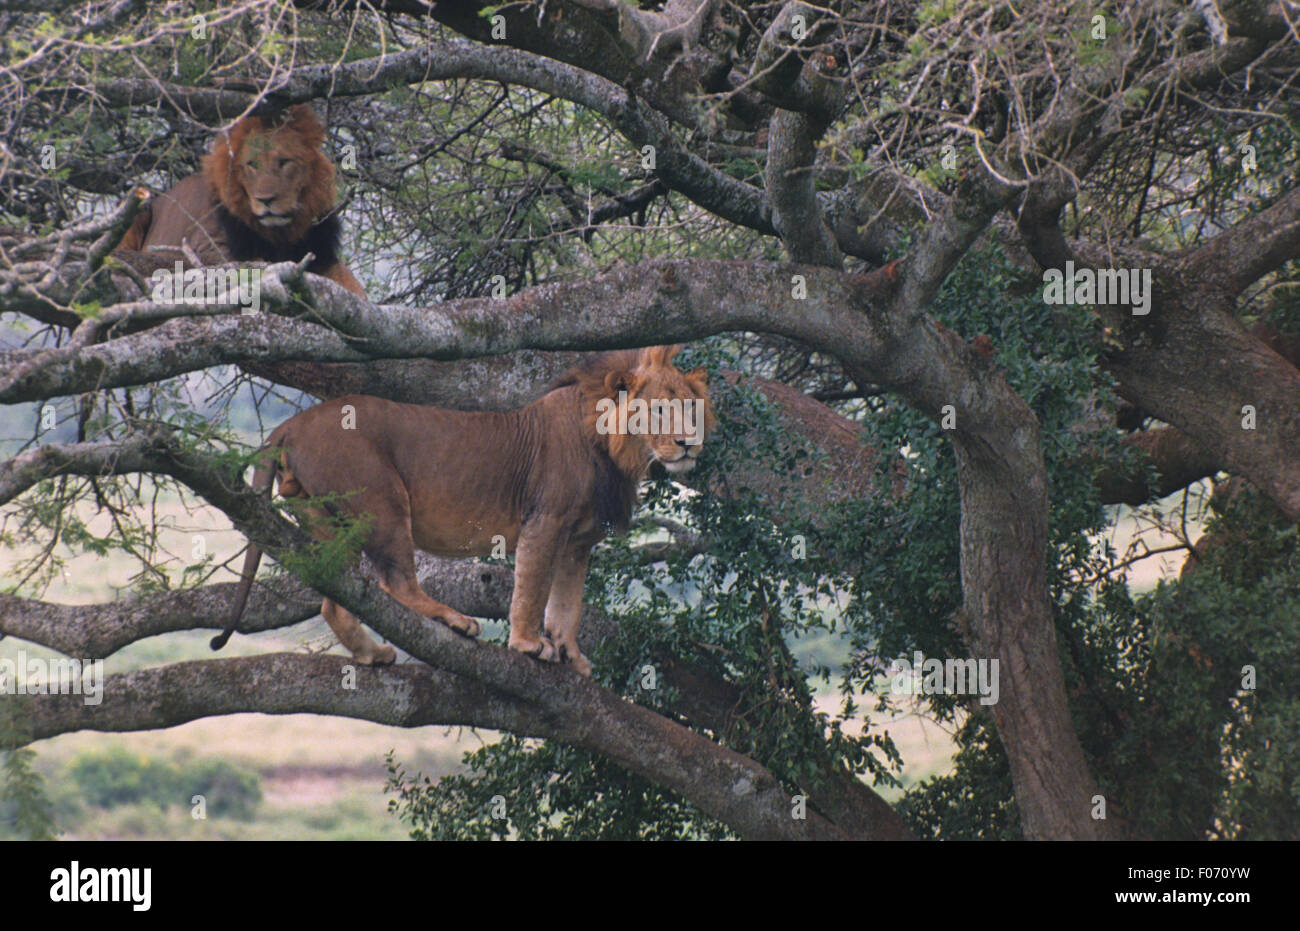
326, 559
1160, 705
1283, 311
904, 545
526, 790
231, 791
116, 777
975, 800
1196, 752
62, 518
25, 809
1155, 679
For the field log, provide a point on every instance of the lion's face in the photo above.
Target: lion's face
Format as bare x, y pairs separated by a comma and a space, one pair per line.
274, 179
273, 175
661, 413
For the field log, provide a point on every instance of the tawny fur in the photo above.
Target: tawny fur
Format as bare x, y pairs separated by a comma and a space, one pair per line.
268, 176
542, 479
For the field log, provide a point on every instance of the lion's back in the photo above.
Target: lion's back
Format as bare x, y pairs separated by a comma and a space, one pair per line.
187, 214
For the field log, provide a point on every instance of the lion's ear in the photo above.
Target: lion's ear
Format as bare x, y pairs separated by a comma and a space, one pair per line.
304, 122
658, 355
698, 379
618, 381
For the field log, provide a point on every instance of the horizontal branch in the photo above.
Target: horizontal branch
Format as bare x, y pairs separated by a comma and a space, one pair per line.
191, 345
408, 695
100, 630
633, 306
1178, 462
1240, 256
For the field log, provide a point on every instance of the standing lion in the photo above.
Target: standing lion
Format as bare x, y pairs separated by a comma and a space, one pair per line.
547, 482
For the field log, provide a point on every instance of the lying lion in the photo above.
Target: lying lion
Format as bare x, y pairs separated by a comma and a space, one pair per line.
265, 194
551, 479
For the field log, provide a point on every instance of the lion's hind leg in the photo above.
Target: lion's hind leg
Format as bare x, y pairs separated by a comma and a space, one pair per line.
348, 629
407, 590
343, 622
392, 550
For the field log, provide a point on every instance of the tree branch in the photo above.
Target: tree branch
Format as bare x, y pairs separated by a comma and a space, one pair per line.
1178, 462
796, 210
1240, 256
979, 196
409, 695
100, 630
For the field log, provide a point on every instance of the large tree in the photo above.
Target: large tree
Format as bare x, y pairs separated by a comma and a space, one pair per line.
848, 208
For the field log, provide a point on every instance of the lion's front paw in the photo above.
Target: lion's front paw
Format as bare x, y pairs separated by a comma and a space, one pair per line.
541, 649
460, 623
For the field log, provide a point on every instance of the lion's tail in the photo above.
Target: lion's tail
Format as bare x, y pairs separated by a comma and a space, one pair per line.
263, 478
